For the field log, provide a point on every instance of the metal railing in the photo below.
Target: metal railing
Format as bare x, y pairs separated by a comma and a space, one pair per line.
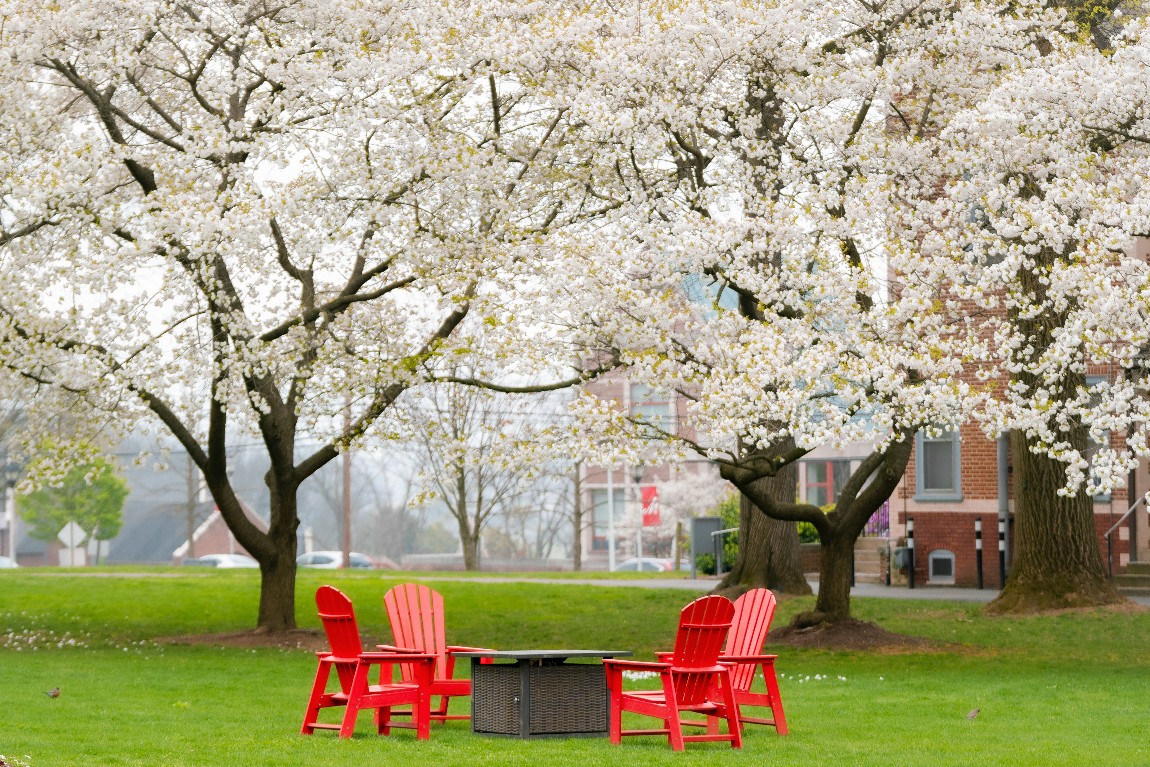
1110, 535
717, 542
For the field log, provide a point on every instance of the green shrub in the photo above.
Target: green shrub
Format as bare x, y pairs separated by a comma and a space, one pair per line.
705, 563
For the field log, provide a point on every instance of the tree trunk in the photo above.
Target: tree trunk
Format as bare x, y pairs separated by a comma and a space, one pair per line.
869, 485
469, 542
277, 591
1057, 563
769, 554
833, 604
278, 572
577, 521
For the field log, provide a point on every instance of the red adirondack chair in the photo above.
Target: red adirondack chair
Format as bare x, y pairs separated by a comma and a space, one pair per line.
353, 666
753, 613
416, 615
743, 653
690, 678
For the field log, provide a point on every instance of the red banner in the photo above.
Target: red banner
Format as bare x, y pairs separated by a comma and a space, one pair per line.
651, 516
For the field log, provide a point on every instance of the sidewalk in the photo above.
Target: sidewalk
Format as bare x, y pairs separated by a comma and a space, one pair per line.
706, 583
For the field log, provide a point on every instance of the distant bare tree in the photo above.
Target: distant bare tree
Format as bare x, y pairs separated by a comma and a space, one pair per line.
465, 438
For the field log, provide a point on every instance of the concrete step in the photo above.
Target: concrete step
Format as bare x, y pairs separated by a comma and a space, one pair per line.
1132, 581
1138, 568
1135, 591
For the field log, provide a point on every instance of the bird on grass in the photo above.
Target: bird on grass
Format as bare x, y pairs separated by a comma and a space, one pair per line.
973, 713
53, 693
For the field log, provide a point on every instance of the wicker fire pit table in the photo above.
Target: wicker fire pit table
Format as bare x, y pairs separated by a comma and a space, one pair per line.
539, 694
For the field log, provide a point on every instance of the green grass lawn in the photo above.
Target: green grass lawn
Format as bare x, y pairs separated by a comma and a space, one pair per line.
1068, 689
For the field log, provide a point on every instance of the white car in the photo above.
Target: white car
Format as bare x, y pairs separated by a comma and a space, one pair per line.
7, 563
333, 560
223, 561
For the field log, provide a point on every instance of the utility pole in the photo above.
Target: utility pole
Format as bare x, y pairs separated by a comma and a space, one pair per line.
637, 476
193, 489
346, 544
577, 520
610, 520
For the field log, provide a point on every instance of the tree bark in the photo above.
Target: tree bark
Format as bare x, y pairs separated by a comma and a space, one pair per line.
1057, 563
833, 603
469, 542
769, 554
277, 589
275, 551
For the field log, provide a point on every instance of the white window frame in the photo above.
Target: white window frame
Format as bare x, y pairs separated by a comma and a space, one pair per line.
923, 493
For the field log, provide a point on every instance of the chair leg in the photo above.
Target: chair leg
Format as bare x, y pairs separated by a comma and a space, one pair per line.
383, 720
615, 715
441, 710
674, 726
672, 721
318, 687
421, 713
355, 694
776, 699
734, 726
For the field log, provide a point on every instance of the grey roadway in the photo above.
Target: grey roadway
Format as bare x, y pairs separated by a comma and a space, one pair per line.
938, 593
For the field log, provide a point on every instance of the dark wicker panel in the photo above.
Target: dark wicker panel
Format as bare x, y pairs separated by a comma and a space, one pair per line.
495, 699
568, 699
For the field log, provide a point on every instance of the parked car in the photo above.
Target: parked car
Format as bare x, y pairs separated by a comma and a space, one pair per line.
7, 563
647, 565
333, 560
222, 561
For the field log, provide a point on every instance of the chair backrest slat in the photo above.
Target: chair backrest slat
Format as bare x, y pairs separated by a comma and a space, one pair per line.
753, 613
416, 616
338, 619
703, 626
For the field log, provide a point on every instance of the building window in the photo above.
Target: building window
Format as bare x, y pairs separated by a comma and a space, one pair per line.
600, 516
938, 467
824, 480
652, 407
940, 566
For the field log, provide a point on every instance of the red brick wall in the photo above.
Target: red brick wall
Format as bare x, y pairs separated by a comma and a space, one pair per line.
954, 531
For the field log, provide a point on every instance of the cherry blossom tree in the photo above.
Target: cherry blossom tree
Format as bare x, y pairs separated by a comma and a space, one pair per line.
768, 150
1041, 223
237, 217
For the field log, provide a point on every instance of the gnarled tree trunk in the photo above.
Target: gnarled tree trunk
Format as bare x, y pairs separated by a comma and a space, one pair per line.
769, 554
865, 491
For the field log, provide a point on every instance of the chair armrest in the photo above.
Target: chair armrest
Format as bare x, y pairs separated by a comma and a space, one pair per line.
747, 658
636, 665
396, 657
393, 648
664, 656
720, 668
460, 648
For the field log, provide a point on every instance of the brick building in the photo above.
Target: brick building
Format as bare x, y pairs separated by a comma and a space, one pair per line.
957, 478
685, 488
